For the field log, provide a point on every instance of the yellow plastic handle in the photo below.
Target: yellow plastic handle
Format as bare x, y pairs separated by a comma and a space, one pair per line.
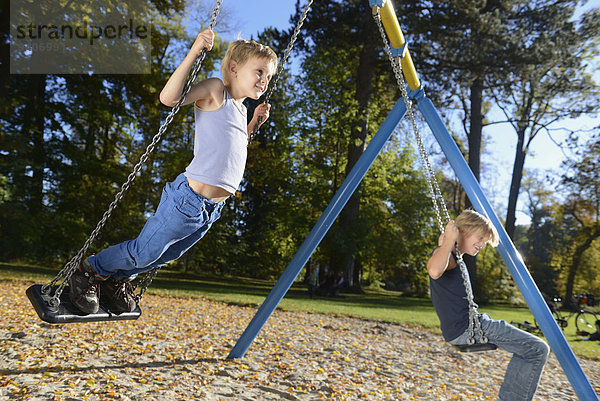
392, 28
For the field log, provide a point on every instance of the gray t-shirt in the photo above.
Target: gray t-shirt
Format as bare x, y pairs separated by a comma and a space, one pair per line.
449, 299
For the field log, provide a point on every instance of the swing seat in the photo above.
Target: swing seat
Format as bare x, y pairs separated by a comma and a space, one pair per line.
66, 312
477, 347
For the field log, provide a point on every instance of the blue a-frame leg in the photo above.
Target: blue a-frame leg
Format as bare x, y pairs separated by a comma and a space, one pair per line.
319, 230
513, 260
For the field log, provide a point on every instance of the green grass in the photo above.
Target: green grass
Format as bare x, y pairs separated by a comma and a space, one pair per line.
379, 305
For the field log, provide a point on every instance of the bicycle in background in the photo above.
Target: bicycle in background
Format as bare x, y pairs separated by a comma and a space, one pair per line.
585, 320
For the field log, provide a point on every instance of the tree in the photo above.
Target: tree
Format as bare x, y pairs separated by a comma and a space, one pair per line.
476, 54
548, 83
69, 140
459, 47
540, 244
505, 51
349, 47
580, 213
398, 220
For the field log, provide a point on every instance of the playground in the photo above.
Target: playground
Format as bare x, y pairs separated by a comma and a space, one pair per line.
177, 349
183, 347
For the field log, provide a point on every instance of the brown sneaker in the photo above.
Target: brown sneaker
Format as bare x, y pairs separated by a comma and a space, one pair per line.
118, 295
83, 288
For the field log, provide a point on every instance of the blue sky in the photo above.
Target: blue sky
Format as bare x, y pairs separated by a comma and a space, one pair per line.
254, 16
248, 17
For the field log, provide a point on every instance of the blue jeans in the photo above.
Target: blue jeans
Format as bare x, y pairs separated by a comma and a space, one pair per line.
525, 369
181, 220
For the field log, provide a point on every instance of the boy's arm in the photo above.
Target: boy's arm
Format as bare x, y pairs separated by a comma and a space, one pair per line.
208, 91
262, 110
440, 260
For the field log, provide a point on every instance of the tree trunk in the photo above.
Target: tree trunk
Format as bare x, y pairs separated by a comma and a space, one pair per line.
28, 172
356, 147
32, 130
474, 139
357, 271
476, 128
38, 154
515, 184
574, 267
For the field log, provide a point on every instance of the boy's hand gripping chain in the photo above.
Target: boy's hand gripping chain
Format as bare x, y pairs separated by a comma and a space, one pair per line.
434, 189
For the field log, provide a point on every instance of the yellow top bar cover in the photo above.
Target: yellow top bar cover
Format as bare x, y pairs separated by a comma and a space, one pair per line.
392, 28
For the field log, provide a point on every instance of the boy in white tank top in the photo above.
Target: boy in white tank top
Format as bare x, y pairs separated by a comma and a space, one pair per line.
193, 202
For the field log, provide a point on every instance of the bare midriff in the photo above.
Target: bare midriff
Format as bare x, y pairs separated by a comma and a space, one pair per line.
215, 194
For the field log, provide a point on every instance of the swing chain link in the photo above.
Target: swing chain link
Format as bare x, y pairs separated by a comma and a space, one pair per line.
144, 283
434, 190
68, 270
474, 323
284, 58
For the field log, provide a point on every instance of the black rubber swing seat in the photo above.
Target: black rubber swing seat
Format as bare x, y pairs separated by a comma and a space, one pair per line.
66, 312
477, 347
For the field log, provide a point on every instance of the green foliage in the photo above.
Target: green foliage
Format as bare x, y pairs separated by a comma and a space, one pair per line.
346, 92
458, 42
588, 277
540, 242
70, 141
579, 216
398, 218
493, 280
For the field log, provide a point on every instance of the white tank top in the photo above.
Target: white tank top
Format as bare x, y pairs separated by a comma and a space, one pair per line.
220, 146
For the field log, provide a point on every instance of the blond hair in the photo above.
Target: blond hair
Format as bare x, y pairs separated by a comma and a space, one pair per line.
470, 222
241, 51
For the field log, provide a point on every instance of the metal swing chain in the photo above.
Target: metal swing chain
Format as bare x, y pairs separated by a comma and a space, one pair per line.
72, 265
145, 282
434, 189
284, 58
